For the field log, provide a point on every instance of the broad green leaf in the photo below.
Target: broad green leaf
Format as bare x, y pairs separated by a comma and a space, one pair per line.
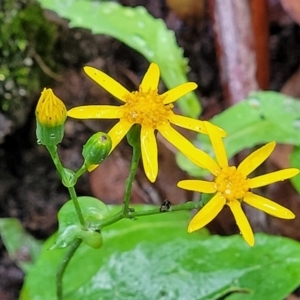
93, 211
22, 248
155, 258
259, 119
295, 162
139, 30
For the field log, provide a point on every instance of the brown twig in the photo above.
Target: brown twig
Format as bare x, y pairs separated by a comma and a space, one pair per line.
235, 47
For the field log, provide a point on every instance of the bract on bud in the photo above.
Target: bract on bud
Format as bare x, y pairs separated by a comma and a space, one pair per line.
96, 149
51, 114
50, 110
91, 238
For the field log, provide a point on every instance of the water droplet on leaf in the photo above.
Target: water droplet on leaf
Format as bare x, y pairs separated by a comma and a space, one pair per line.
254, 103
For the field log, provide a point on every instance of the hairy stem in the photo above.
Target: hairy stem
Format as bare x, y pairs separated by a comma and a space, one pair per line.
157, 210
53, 152
62, 268
136, 155
74, 198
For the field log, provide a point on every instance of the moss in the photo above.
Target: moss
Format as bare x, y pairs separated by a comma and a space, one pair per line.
26, 38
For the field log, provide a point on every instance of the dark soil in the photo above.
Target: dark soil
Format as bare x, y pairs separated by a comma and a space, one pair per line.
30, 189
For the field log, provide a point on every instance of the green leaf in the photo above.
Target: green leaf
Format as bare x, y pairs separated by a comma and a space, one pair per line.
261, 118
139, 30
22, 248
93, 211
155, 258
295, 162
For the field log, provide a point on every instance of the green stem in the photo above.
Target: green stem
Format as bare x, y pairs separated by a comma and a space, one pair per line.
136, 155
157, 210
80, 171
53, 152
74, 198
62, 268
185, 206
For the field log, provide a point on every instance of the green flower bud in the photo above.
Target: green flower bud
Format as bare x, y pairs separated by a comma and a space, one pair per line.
91, 238
96, 149
51, 114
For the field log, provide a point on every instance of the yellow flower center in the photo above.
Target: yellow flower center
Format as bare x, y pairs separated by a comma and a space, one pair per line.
231, 183
146, 108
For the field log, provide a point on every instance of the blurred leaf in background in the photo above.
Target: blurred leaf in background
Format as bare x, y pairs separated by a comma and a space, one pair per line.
139, 30
23, 249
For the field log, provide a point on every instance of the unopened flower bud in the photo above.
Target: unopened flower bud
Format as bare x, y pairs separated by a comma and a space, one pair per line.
51, 114
96, 149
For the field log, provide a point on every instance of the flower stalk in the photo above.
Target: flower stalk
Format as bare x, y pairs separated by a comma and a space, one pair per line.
63, 265
68, 181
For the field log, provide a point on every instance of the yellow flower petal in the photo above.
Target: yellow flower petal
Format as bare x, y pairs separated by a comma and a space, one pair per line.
207, 213
215, 137
178, 91
216, 130
96, 112
256, 158
200, 186
272, 177
151, 78
92, 167
118, 132
188, 123
196, 155
195, 125
107, 82
242, 221
268, 206
149, 153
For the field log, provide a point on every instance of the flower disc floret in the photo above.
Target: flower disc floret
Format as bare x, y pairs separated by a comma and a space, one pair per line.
146, 108
231, 183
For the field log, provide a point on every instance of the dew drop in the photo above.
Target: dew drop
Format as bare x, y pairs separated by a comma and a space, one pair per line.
287, 101
139, 40
129, 13
254, 103
63, 244
150, 53
141, 24
296, 123
107, 10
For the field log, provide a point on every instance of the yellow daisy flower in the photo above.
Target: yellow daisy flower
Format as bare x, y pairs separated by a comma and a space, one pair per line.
232, 186
149, 109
